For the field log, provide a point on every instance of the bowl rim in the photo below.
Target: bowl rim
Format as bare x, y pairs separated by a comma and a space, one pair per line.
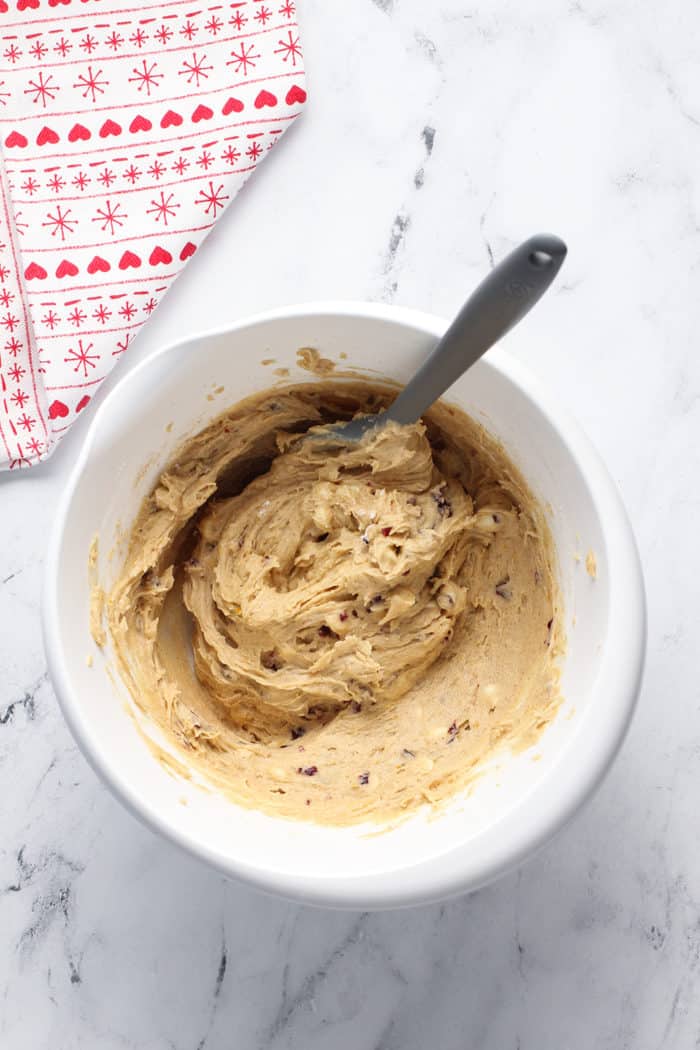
505, 844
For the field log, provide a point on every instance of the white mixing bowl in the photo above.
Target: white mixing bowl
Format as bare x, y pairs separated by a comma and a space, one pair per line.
520, 801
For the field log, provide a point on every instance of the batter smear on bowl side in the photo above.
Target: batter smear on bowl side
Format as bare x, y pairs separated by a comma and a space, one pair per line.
339, 634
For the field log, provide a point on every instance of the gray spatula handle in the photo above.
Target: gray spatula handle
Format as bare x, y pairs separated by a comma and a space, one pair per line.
504, 298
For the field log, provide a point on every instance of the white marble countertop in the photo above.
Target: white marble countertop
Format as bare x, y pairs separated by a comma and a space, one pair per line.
437, 135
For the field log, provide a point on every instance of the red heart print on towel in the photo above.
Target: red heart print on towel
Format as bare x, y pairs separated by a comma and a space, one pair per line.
232, 105
57, 410
98, 265
46, 135
83, 403
22, 5
140, 124
159, 255
3, 7
66, 269
171, 119
188, 250
129, 259
295, 94
16, 140
35, 272
202, 113
110, 127
79, 133
265, 98
54, 3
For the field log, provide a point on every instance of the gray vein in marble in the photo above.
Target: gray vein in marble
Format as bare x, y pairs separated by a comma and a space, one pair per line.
47, 773
674, 93
399, 229
221, 972
218, 982
27, 703
429, 48
483, 219
593, 20
51, 904
402, 221
385, 1037
46, 909
519, 947
428, 136
306, 996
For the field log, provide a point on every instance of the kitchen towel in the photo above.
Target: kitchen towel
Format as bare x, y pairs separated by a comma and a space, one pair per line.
126, 131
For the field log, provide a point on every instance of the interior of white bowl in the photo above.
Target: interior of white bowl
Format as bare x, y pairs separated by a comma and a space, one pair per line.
520, 800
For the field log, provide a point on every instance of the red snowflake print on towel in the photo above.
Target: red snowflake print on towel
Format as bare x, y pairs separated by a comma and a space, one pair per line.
214, 25
213, 198
163, 34
157, 169
132, 174
63, 47
35, 446
43, 89
122, 345
164, 208
38, 50
30, 185
12, 53
76, 316
243, 58
20, 223
115, 40
81, 358
205, 160
88, 43
50, 319
138, 38
110, 216
56, 183
231, 155
26, 421
91, 84
196, 69
290, 49
9, 322
16, 372
263, 15
80, 181
146, 77
60, 223
14, 346
189, 30
106, 177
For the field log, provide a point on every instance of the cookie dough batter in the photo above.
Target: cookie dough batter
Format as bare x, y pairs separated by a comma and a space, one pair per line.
339, 634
